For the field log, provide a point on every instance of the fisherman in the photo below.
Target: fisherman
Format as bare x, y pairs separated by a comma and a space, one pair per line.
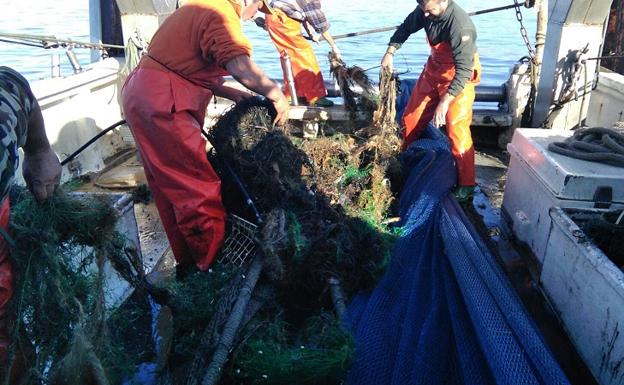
445, 90
284, 22
164, 101
21, 125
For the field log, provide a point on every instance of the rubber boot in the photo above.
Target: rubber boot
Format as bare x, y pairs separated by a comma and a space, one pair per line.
464, 194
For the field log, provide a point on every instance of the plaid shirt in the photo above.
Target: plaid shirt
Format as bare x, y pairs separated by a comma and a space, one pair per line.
16, 104
308, 10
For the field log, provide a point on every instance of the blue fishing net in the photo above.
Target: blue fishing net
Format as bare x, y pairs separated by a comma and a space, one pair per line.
403, 95
444, 312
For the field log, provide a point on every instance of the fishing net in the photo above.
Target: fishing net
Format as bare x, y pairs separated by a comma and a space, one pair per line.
61, 325
310, 193
323, 205
349, 78
319, 353
385, 115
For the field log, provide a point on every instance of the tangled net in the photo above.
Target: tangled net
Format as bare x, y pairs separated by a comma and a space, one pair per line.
385, 114
349, 77
310, 195
58, 303
324, 203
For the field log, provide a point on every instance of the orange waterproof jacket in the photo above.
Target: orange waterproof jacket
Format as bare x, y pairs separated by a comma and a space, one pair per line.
198, 39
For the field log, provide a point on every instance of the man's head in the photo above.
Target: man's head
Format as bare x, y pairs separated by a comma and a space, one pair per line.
433, 9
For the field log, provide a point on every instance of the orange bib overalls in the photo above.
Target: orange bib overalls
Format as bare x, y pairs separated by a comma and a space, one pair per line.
286, 35
431, 86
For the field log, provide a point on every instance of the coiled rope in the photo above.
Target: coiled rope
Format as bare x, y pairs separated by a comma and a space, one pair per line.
595, 144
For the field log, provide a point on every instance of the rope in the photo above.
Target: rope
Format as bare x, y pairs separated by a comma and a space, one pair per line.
516, 4
596, 144
51, 41
7, 238
134, 50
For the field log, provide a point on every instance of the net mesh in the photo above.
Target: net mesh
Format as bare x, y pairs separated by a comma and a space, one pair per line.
239, 246
444, 313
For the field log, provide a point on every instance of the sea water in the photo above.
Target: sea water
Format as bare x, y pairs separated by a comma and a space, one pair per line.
499, 40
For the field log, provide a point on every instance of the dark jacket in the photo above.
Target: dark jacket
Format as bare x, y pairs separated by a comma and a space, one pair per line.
453, 27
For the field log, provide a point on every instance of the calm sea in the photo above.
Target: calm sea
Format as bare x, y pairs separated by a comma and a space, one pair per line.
499, 40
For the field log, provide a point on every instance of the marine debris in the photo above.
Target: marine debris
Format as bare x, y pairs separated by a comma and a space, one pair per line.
323, 202
61, 327
347, 79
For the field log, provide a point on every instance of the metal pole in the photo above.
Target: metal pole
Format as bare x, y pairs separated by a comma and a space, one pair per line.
73, 60
288, 75
56, 65
540, 34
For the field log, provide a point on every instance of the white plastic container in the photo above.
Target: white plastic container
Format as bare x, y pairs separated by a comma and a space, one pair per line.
587, 291
538, 180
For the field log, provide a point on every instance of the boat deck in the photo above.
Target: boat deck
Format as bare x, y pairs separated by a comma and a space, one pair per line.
127, 173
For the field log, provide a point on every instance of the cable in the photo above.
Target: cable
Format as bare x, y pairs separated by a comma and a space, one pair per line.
38, 45
91, 141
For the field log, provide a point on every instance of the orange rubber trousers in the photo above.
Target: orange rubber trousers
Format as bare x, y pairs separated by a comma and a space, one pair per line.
6, 281
165, 113
431, 86
286, 35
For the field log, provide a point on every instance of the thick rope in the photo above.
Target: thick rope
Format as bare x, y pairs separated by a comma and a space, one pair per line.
596, 144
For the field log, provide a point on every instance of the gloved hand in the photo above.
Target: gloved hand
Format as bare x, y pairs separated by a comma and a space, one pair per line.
260, 22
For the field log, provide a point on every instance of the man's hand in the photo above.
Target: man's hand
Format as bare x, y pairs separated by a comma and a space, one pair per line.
439, 117
387, 60
42, 173
282, 107
336, 52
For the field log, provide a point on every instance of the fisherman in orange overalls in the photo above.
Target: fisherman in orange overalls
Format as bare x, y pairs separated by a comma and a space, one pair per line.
164, 101
445, 90
21, 125
284, 25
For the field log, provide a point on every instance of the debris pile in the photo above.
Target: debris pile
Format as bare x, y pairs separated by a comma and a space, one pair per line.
61, 328
321, 206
